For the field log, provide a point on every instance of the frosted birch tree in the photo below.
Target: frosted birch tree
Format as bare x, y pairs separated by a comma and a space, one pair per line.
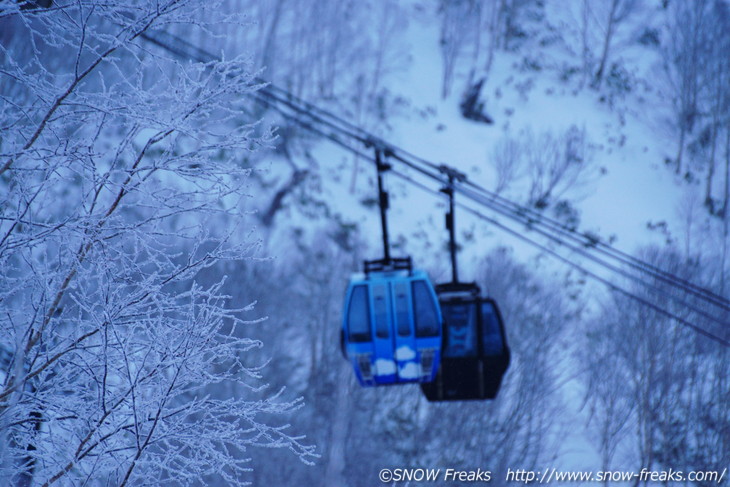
120, 181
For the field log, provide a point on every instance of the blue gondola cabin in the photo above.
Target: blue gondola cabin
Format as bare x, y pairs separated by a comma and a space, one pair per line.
392, 328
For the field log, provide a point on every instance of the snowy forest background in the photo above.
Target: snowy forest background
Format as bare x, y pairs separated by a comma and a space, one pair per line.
174, 255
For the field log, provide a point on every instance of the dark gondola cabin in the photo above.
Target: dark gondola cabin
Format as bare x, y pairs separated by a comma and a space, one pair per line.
391, 330
475, 354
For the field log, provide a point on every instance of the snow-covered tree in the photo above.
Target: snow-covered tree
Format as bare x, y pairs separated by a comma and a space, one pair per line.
552, 164
697, 72
121, 180
608, 21
658, 392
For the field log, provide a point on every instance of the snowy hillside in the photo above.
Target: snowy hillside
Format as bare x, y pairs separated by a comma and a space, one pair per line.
535, 93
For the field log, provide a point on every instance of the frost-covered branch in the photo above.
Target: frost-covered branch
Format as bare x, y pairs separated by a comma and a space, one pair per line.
122, 361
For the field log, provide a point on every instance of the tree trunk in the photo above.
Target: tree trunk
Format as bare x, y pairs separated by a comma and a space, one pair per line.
726, 192
680, 149
709, 203
269, 51
606, 44
586, 52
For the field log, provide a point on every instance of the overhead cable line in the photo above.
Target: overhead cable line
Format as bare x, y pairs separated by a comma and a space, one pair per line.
313, 118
